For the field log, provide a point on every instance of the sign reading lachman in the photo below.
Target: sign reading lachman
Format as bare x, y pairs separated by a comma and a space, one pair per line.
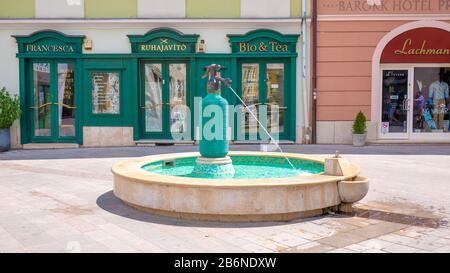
409, 49
420, 45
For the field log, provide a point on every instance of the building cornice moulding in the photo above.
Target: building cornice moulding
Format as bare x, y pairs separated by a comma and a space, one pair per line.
140, 21
146, 23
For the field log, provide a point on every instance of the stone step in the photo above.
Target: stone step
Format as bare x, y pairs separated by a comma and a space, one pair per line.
283, 142
33, 146
153, 142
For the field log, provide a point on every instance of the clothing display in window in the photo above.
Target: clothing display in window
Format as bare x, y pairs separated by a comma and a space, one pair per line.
438, 94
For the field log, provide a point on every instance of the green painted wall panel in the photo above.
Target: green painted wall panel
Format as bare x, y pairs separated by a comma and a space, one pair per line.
110, 8
213, 8
296, 8
16, 8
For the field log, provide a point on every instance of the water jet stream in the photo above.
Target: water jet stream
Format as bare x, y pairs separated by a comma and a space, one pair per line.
264, 128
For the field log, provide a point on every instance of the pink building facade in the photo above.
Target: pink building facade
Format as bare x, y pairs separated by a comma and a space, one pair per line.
388, 59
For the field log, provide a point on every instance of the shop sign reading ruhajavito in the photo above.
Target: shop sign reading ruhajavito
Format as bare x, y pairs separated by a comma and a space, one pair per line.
163, 45
163, 41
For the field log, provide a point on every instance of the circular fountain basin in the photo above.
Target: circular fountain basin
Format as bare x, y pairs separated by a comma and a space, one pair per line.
263, 188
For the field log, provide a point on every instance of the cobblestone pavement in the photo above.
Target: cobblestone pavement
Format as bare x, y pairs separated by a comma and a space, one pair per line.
61, 201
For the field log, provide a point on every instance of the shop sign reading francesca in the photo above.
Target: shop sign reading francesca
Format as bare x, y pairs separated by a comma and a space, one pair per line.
49, 48
49, 42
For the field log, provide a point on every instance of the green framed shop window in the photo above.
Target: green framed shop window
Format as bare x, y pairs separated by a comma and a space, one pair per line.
266, 81
110, 93
165, 64
110, 8
52, 102
264, 86
105, 92
50, 87
164, 98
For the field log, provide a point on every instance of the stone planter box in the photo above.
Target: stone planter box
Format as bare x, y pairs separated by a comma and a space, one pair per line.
5, 140
359, 140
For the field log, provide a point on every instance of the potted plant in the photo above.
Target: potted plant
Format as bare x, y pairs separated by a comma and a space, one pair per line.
9, 112
359, 130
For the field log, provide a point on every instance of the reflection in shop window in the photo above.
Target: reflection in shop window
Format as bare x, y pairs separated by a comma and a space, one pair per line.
431, 99
105, 93
66, 99
395, 101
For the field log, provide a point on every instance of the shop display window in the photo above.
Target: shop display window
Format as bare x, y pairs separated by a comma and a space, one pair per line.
105, 92
395, 97
431, 100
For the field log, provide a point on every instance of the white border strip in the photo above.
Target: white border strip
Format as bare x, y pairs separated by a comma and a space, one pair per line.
140, 21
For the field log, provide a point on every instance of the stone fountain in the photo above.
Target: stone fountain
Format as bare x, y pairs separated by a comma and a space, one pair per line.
218, 185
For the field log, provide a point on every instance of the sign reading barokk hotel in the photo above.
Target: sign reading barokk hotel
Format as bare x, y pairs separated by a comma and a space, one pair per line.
347, 7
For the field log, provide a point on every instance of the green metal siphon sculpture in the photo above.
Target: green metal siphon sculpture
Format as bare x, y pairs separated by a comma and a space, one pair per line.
217, 147
214, 150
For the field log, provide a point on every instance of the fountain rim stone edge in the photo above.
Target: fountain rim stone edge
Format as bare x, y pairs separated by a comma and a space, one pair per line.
132, 168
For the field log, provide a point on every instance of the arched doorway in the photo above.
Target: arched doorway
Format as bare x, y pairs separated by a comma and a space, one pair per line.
410, 82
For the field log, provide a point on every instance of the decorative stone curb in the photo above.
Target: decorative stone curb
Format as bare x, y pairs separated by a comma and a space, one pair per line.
278, 199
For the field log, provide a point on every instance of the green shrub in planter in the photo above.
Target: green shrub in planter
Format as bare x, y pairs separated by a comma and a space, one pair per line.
359, 130
359, 125
9, 112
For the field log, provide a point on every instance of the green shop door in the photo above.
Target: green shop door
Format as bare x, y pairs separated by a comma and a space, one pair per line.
263, 83
51, 101
163, 99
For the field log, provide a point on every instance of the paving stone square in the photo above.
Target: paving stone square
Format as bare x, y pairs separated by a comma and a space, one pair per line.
62, 201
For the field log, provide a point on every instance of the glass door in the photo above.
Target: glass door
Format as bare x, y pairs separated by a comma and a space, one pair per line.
52, 101
263, 89
163, 99
396, 98
41, 101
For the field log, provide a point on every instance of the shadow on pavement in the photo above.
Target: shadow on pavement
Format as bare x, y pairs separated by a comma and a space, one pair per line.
110, 203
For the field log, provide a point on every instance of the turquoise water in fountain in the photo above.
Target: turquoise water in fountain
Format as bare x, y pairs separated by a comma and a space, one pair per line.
246, 167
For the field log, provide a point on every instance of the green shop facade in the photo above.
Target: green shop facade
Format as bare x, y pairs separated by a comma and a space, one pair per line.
96, 99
